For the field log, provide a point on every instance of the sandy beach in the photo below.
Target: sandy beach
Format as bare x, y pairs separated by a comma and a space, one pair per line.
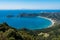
48, 19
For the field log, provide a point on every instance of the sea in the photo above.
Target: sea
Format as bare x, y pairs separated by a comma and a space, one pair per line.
31, 23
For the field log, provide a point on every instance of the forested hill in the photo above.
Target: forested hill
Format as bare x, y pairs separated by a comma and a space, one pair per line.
52, 33
8, 33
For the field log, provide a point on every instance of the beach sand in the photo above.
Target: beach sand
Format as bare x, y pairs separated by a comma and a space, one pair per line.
53, 22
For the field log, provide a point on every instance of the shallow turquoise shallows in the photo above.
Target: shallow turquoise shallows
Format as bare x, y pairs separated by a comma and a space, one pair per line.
24, 22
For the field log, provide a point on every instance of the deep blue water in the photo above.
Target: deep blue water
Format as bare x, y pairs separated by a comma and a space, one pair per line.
24, 22
16, 12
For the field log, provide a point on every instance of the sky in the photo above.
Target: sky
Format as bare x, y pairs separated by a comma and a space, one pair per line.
30, 4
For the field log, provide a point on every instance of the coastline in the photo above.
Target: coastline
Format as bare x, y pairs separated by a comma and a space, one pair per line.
53, 22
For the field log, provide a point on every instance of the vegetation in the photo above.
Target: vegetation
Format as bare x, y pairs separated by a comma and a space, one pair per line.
8, 33
52, 33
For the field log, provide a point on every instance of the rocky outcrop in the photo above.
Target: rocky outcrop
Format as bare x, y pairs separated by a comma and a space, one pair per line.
27, 15
10, 16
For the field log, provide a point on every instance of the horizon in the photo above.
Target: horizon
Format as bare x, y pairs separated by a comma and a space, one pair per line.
30, 4
29, 9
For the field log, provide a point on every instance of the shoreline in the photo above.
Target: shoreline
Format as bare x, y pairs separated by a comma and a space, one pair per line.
52, 21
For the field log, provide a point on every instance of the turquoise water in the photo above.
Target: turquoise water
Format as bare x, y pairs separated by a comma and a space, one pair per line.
29, 23
23, 22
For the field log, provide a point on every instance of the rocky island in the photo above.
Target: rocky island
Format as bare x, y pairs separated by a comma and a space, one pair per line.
27, 15
10, 16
